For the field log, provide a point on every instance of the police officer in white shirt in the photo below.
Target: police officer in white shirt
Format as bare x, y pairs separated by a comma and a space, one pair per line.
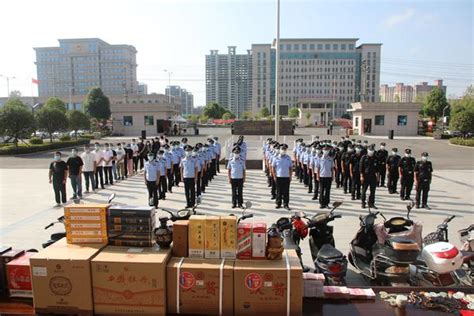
218, 153
99, 157
152, 179
282, 170
89, 167
236, 174
189, 172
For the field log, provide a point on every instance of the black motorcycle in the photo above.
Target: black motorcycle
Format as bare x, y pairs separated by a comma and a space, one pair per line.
387, 262
327, 259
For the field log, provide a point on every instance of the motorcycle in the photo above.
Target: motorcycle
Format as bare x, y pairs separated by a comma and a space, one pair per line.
440, 263
327, 259
466, 236
383, 252
291, 235
62, 220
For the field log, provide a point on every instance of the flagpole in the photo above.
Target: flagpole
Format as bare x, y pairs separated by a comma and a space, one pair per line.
277, 87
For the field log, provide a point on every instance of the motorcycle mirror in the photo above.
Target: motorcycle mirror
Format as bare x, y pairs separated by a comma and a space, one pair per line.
248, 204
182, 213
409, 208
336, 204
111, 197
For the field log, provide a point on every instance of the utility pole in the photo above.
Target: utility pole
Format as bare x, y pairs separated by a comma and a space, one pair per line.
8, 83
169, 85
277, 74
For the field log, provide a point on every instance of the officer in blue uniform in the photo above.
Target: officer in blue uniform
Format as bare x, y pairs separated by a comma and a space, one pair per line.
326, 170
168, 156
282, 170
176, 157
152, 179
189, 176
236, 175
314, 163
162, 162
200, 167
217, 148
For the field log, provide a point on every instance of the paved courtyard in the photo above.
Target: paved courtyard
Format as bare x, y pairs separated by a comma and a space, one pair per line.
26, 198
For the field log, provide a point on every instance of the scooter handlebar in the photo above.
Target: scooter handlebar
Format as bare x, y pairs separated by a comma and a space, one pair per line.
247, 216
50, 225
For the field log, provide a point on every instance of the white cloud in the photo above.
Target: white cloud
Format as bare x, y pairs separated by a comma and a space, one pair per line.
399, 18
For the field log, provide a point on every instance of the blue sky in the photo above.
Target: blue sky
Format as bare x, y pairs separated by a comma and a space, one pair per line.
422, 40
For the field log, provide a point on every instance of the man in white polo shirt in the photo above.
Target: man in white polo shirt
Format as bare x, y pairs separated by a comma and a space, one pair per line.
108, 156
99, 169
89, 167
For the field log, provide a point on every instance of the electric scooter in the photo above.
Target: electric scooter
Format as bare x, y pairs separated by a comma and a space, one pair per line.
440, 263
293, 230
383, 252
327, 259
62, 220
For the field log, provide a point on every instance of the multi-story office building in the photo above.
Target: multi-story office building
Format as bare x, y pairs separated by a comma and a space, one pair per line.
229, 80
142, 89
322, 74
186, 98
404, 93
78, 65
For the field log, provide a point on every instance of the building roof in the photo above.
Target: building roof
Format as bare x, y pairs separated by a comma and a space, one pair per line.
370, 44
385, 106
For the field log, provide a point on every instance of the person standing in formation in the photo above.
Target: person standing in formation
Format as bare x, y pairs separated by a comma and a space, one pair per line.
236, 175
282, 171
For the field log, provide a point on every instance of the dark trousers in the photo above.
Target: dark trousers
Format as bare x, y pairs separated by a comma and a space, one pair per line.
371, 183
297, 171
273, 189
422, 192
301, 177
346, 182
310, 181
135, 164
213, 169
198, 184
382, 173
125, 161
392, 181
59, 190
218, 168
237, 188
325, 190
152, 193
406, 186
163, 187
108, 175
176, 174
169, 174
141, 162
305, 175
355, 188
190, 191
283, 191
316, 186
99, 173
338, 177
89, 178
203, 181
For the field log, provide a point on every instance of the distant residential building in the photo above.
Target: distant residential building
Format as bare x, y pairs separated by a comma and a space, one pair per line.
404, 93
229, 80
142, 89
77, 65
186, 98
316, 73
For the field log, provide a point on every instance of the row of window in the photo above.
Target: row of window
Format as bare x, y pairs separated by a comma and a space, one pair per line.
318, 62
379, 120
312, 47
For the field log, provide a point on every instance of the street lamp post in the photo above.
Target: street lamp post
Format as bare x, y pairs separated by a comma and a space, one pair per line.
8, 83
277, 74
444, 117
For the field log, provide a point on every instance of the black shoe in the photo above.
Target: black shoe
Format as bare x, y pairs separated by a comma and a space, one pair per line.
233, 206
358, 197
402, 198
345, 192
373, 206
309, 191
426, 206
353, 198
314, 198
363, 205
418, 206
241, 206
322, 206
287, 207
273, 197
278, 206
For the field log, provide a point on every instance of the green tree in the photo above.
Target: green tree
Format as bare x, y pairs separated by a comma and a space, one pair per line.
193, 118
435, 103
228, 115
78, 120
247, 115
97, 105
464, 103
204, 118
15, 94
16, 120
55, 103
462, 121
214, 110
52, 120
308, 115
294, 113
264, 112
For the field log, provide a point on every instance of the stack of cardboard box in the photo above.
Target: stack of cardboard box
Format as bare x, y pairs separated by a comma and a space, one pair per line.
86, 223
131, 226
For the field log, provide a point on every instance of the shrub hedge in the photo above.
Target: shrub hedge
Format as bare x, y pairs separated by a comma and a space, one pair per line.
461, 141
25, 149
36, 141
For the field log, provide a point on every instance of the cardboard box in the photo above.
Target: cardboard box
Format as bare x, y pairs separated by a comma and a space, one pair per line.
130, 242
196, 237
19, 277
180, 238
259, 240
212, 249
126, 220
228, 232
86, 223
61, 277
130, 281
261, 286
132, 211
200, 286
244, 241
5, 258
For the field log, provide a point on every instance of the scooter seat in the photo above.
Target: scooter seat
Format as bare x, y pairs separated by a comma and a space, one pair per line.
328, 252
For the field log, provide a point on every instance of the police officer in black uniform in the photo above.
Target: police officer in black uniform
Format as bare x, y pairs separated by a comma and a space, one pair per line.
423, 171
354, 167
346, 172
406, 169
392, 169
381, 156
368, 176
338, 160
